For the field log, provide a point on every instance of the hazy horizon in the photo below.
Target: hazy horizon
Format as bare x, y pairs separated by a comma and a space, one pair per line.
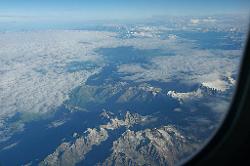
76, 10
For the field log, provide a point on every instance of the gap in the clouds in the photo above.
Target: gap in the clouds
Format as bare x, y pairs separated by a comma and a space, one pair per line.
115, 57
78, 66
214, 39
128, 55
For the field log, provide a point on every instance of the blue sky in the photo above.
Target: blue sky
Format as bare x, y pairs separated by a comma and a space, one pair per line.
101, 9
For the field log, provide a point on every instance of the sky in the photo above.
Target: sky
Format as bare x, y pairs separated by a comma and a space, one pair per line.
115, 9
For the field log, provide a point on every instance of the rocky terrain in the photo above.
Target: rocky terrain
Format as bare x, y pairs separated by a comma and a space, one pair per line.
70, 153
162, 146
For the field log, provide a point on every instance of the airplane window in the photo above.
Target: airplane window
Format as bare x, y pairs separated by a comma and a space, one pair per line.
111, 82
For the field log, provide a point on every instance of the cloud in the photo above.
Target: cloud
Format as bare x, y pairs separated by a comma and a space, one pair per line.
10, 146
209, 20
203, 20
34, 78
194, 21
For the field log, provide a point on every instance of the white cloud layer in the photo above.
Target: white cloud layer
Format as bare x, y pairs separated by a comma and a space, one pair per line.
33, 68
188, 65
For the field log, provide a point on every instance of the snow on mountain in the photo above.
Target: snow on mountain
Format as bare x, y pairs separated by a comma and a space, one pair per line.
129, 120
220, 84
206, 88
182, 97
